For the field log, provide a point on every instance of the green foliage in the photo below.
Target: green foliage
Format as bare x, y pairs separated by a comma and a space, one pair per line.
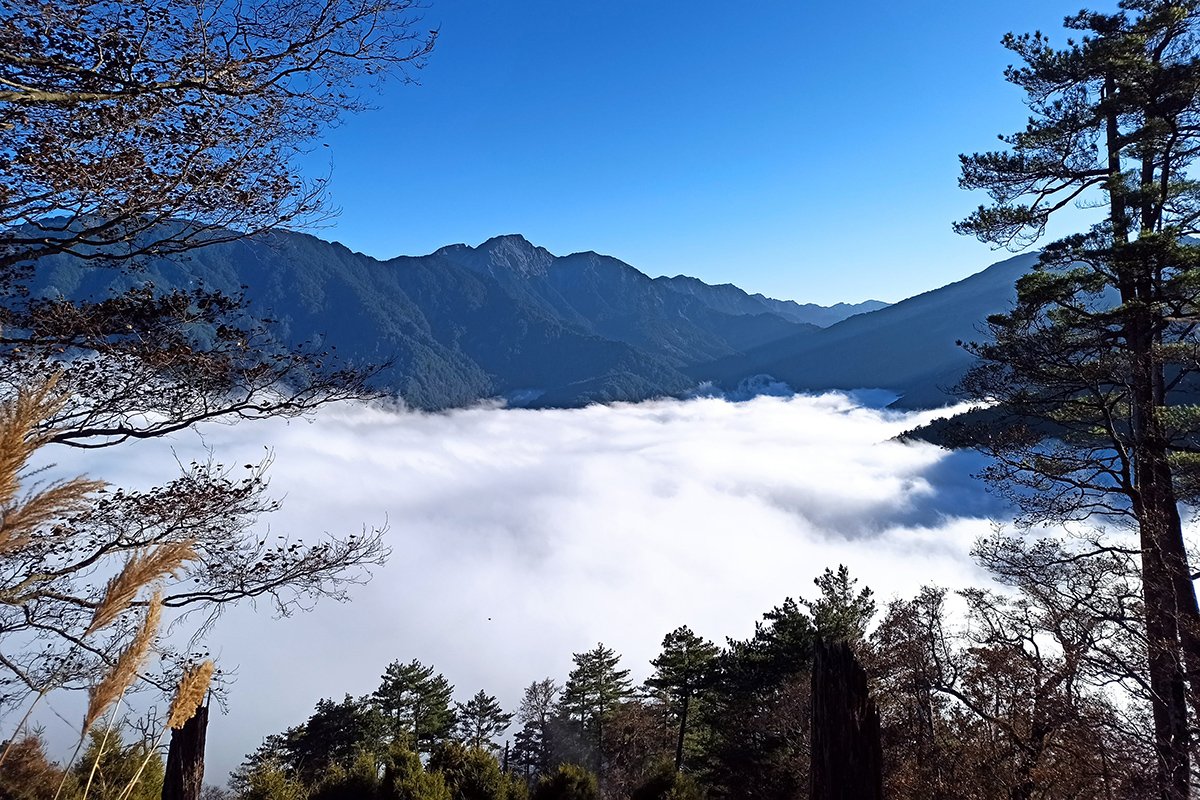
481, 720
116, 765
265, 780
404, 778
782, 645
359, 781
757, 711
515, 787
840, 613
686, 666
471, 773
568, 782
336, 735
592, 692
416, 703
595, 685
1101, 344
666, 783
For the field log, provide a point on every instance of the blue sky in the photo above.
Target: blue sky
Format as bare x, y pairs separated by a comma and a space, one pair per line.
804, 150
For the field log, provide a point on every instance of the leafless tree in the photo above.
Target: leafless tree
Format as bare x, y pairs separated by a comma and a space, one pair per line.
1040, 692
151, 127
130, 131
65, 549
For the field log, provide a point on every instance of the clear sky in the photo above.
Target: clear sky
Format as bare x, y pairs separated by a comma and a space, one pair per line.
805, 150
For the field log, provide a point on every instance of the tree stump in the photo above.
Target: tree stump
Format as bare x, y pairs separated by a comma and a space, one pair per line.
184, 777
846, 753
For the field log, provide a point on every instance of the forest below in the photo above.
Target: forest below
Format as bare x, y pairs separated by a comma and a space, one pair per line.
1035, 689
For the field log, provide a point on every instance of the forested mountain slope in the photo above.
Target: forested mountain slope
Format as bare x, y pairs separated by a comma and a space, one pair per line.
464, 323
509, 319
909, 347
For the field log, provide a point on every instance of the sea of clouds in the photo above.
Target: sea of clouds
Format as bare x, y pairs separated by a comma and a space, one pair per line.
520, 537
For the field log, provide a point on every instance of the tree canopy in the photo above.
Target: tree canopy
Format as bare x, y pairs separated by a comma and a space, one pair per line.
1092, 374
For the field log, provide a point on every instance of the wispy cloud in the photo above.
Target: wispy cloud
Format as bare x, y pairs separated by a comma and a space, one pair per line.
520, 537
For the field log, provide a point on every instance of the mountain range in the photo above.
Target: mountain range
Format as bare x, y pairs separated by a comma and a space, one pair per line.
509, 319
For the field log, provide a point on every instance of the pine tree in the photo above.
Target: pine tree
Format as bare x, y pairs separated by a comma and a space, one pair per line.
758, 709
683, 669
416, 702
593, 690
839, 613
1092, 374
481, 720
336, 734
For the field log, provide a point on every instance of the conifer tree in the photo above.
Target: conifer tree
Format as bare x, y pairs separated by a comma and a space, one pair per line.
593, 690
1093, 371
683, 669
481, 720
840, 612
335, 735
416, 701
113, 767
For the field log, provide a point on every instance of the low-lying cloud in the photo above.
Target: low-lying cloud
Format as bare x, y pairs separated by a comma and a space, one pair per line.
519, 537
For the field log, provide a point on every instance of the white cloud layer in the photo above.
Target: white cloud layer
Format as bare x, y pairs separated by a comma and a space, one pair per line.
519, 536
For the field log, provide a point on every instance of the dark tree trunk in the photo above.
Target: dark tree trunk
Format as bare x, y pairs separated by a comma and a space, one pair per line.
683, 716
1169, 699
846, 754
184, 777
1154, 501
1157, 512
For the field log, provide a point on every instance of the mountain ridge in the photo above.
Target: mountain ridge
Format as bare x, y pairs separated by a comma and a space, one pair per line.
910, 347
507, 318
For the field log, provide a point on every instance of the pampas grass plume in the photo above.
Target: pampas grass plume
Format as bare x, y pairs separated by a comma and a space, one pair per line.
19, 438
124, 671
190, 694
142, 569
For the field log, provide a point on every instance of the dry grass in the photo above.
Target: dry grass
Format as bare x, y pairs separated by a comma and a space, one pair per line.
19, 438
190, 694
20, 522
143, 568
125, 670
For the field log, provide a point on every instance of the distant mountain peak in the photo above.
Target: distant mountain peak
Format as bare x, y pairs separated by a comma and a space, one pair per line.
514, 252
514, 240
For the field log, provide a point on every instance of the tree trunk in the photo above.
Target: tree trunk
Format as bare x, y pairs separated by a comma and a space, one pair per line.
184, 777
1154, 499
683, 715
1169, 698
1159, 525
846, 753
